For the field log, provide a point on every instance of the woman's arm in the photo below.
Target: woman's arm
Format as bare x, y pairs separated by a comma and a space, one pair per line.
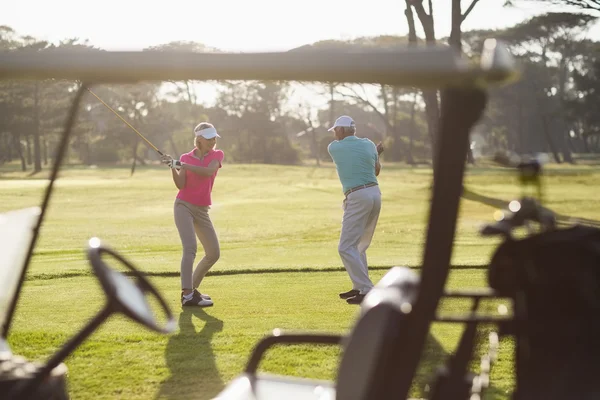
178, 178
202, 171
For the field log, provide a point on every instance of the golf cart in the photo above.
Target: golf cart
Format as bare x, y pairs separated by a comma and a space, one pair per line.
555, 354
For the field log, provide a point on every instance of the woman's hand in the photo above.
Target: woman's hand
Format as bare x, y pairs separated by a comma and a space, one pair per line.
380, 148
175, 164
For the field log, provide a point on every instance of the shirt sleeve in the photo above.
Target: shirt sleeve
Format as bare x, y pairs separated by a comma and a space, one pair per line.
219, 157
373, 145
331, 149
374, 148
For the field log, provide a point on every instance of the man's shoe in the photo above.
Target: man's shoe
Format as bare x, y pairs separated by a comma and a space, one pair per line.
196, 301
348, 294
204, 296
356, 299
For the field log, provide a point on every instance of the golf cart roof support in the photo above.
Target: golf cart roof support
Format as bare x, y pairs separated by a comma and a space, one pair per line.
461, 109
427, 66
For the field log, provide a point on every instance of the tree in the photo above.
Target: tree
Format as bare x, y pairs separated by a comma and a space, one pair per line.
255, 110
582, 108
183, 89
592, 5
430, 97
456, 41
549, 40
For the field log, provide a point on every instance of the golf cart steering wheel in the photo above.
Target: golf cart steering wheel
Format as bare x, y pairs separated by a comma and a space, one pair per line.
125, 295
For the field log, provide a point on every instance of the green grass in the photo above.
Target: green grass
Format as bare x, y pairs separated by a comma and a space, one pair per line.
279, 268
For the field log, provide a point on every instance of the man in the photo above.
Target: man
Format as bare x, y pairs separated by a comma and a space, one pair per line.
357, 163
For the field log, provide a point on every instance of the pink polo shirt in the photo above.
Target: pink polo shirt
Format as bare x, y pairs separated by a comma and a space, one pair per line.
197, 188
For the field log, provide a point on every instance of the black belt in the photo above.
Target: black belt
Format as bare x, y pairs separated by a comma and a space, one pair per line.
354, 189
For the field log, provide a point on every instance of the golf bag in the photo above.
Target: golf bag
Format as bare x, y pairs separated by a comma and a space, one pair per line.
553, 278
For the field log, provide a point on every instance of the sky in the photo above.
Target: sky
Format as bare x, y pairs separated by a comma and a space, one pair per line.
257, 25
241, 26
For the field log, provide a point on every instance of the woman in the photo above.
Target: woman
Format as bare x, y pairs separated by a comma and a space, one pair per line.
194, 175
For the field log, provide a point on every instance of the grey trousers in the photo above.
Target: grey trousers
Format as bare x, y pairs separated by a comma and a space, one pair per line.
361, 213
192, 221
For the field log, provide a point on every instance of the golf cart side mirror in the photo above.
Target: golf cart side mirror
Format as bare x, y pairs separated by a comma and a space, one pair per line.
123, 295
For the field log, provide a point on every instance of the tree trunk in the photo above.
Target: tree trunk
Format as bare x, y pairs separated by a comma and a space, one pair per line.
45, 152
548, 135
432, 105
586, 146
519, 138
413, 126
397, 153
389, 123
316, 148
563, 130
37, 154
384, 98
191, 97
28, 149
19, 150
87, 152
331, 104
541, 109
412, 41
455, 34
432, 111
412, 31
134, 149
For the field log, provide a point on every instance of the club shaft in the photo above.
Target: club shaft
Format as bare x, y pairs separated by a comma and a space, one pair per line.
128, 124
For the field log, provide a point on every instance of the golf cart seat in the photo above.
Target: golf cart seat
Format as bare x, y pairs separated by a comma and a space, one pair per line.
363, 372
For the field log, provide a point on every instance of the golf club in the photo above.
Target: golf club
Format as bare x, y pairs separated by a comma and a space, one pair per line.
128, 124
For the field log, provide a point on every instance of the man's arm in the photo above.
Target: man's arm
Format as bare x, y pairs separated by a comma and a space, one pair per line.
331, 149
379, 148
202, 171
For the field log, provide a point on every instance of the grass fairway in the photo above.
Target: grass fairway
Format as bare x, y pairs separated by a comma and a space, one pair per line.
279, 268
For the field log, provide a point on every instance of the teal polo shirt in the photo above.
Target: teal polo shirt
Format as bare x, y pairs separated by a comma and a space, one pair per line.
354, 160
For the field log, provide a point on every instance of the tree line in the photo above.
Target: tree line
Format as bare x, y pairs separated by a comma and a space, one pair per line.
552, 109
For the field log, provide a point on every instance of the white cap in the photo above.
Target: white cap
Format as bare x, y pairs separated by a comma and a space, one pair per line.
207, 133
344, 120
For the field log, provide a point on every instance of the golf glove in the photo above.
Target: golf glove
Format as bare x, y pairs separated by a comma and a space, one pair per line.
166, 159
174, 164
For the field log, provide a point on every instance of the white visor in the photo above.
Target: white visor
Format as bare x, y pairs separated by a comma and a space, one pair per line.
207, 133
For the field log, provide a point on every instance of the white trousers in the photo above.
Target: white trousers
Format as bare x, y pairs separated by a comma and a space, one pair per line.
361, 212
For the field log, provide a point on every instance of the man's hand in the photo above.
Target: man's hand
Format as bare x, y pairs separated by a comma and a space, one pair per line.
380, 148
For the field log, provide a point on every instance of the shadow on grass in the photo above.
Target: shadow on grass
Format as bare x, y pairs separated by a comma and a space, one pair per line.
435, 357
191, 359
239, 271
499, 203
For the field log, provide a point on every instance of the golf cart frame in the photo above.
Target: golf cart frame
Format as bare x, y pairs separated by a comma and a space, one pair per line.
464, 98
